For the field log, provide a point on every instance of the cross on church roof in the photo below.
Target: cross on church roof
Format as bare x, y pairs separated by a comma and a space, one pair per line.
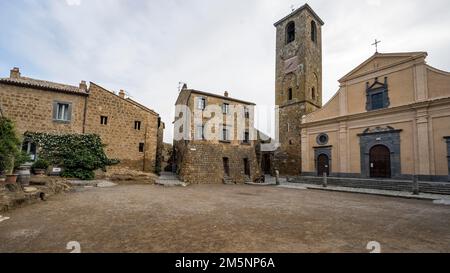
376, 45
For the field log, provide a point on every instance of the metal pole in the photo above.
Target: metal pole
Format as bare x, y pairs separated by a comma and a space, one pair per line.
277, 177
325, 180
416, 189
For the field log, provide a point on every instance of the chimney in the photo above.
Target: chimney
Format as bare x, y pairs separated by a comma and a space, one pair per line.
122, 94
226, 94
83, 86
15, 73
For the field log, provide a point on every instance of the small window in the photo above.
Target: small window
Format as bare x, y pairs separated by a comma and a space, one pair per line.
199, 132
247, 137
313, 93
246, 167
30, 148
247, 112
225, 134
377, 101
62, 112
290, 94
313, 31
226, 108
104, 120
290, 32
141, 147
137, 125
201, 104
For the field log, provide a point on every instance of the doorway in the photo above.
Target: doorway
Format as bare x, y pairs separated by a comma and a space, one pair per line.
266, 165
380, 162
226, 166
323, 165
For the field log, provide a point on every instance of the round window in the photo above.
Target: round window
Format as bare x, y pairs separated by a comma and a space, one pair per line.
322, 139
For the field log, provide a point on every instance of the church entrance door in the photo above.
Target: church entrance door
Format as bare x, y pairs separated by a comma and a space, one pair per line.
323, 165
380, 162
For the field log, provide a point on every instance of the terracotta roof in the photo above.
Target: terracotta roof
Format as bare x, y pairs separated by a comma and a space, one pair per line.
190, 91
295, 12
45, 85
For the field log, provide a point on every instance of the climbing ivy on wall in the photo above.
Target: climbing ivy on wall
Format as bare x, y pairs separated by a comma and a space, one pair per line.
78, 155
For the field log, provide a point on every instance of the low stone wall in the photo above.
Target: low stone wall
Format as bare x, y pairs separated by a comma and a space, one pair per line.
13, 195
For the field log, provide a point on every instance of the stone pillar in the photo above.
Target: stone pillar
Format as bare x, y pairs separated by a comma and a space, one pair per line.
423, 147
448, 155
305, 151
343, 149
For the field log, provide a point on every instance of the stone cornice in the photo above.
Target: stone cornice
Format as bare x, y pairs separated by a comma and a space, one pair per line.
393, 110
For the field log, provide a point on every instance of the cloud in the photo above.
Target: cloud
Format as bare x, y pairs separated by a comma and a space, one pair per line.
147, 47
73, 2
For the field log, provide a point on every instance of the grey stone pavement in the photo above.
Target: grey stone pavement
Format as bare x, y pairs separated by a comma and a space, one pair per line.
169, 180
437, 198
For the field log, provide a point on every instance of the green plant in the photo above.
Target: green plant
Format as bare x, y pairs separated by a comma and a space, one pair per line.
79, 155
21, 159
9, 146
40, 164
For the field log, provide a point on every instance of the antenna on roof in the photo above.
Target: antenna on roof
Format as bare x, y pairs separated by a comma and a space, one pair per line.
181, 85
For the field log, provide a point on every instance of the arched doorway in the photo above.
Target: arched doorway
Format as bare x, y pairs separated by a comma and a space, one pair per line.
323, 165
380, 162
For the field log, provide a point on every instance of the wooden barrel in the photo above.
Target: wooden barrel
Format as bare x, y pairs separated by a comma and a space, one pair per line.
24, 176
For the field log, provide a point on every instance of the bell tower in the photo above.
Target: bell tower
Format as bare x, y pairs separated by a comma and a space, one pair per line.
298, 89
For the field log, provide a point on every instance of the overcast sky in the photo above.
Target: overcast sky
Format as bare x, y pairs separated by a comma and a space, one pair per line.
147, 47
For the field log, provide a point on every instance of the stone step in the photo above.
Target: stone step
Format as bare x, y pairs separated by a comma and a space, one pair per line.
425, 187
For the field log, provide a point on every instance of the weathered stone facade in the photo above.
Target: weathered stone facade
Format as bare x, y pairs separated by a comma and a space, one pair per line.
298, 88
32, 105
201, 161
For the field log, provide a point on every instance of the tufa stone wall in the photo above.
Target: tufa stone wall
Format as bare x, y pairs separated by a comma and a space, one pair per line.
30, 104
201, 161
32, 109
119, 134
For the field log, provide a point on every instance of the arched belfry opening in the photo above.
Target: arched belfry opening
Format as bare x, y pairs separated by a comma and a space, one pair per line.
290, 32
313, 31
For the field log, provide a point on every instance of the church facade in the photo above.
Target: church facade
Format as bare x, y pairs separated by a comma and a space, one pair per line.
389, 119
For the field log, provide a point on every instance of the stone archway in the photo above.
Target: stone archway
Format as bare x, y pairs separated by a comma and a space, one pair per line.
390, 139
380, 162
323, 165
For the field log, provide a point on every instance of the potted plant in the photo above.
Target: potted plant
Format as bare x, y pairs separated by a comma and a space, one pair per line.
40, 167
9, 149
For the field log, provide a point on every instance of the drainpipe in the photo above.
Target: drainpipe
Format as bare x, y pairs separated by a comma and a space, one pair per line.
145, 148
85, 114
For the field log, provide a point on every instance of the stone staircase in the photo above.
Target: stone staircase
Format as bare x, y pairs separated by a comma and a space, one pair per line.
378, 184
228, 181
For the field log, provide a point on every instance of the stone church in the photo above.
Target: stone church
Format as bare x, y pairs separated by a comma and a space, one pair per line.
390, 118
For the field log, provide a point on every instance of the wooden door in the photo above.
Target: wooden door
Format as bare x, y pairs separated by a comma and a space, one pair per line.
380, 162
266, 166
323, 165
226, 166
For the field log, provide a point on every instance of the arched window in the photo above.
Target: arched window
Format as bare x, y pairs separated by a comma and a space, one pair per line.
313, 31
313, 93
290, 94
290, 32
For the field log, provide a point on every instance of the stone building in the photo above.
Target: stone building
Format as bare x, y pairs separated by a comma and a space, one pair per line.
389, 119
210, 146
298, 88
129, 129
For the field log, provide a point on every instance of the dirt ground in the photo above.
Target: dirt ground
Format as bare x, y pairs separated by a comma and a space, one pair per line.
219, 218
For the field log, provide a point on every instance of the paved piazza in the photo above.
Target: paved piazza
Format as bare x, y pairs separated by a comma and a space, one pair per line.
220, 218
